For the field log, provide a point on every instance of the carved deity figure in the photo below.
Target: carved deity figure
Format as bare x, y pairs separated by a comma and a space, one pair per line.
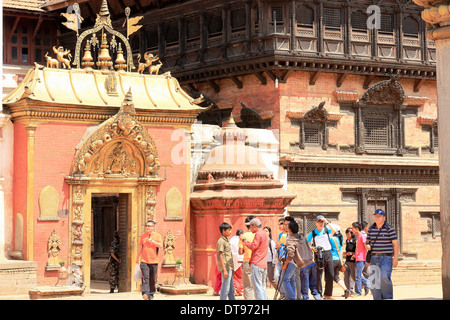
53, 248
118, 160
169, 248
60, 53
149, 59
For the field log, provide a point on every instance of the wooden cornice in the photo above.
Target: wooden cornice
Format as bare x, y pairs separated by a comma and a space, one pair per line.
271, 65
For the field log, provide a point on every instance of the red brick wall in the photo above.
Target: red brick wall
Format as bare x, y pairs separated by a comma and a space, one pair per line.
298, 95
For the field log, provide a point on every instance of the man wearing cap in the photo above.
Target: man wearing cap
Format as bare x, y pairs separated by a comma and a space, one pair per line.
383, 242
320, 237
258, 260
246, 269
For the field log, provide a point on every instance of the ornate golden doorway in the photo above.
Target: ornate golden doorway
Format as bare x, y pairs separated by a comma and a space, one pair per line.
119, 156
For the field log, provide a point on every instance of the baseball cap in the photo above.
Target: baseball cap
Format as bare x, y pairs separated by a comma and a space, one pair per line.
255, 222
380, 212
320, 218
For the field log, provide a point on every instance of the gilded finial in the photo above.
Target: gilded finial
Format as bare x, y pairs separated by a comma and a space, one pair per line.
127, 104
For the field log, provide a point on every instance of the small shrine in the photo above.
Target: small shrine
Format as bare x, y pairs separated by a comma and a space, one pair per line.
233, 183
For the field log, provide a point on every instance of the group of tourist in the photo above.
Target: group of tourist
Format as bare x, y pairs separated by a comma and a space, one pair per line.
294, 264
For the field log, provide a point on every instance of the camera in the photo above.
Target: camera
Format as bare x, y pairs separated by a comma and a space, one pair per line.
319, 252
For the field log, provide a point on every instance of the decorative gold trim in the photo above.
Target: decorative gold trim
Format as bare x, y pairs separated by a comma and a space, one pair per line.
170, 91
148, 94
98, 89
46, 86
73, 87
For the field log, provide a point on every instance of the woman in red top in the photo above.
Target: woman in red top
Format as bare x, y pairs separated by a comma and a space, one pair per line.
149, 245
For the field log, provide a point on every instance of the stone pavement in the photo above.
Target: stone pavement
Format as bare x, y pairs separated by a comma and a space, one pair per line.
100, 291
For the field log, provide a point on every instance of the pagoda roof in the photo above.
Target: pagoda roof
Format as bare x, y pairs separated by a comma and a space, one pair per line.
90, 88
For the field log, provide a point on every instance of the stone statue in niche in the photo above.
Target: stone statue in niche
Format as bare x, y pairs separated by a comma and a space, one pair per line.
169, 249
54, 248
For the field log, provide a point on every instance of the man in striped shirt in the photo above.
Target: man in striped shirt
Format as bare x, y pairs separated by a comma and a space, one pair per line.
383, 242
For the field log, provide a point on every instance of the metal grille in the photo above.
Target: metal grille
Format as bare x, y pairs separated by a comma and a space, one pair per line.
376, 130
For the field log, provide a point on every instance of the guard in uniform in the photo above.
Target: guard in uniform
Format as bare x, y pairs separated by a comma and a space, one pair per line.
114, 262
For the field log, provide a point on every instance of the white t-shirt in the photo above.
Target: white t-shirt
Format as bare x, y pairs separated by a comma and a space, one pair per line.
321, 239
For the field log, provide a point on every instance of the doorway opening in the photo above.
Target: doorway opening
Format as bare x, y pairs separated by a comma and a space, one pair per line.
109, 213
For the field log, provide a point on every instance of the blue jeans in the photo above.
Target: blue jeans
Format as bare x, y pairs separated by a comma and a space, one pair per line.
308, 277
259, 279
289, 281
227, 289
359, 278
380, 271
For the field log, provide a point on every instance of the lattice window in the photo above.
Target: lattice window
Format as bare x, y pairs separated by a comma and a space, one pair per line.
193, 30
359, 21
152, 38
376, 130
433, 224
435, 137
238, 20
387, 23
305, 17
307, 220
215, 25
332, 17
277, 14
172, 34
410, 27
312, 136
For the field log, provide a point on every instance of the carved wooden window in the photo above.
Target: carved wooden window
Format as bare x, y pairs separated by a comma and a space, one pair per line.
373, 205
193, 30
277, 19
387, 24
312, 135
359, 21
307, 220
305, 17
215, 25
24, 45
434, 137
238, 20
376, 130
332, 18
433, 224
152, 37
410, 27
172, 34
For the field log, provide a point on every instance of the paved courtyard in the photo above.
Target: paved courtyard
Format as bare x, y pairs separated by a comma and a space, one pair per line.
100, 291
